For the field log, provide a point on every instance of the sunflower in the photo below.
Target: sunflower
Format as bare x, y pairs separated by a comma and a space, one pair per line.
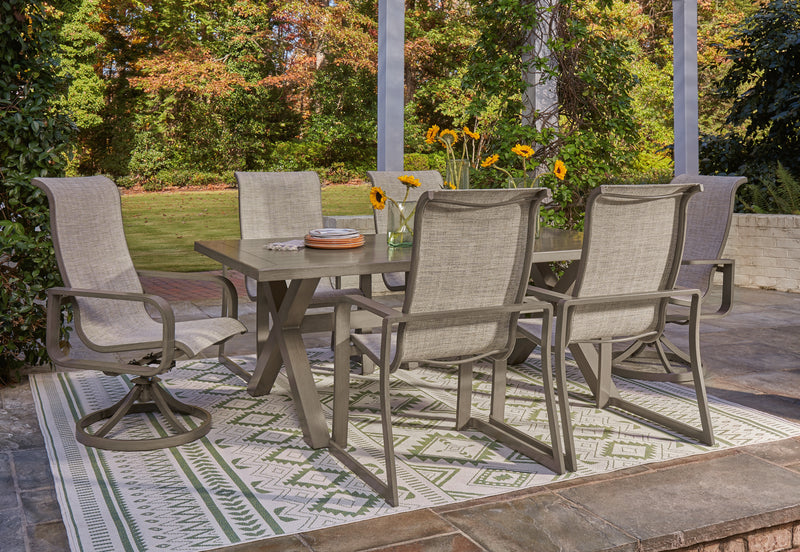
433, 132
449, 185
409, 181
523, 150
489, 161
560, 169
448, 137
473, 135
377, 197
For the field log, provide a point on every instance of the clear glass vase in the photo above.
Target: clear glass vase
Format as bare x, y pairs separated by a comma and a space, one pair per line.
400, 223
457, 173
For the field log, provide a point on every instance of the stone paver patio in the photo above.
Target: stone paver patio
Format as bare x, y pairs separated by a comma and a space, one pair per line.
745, 500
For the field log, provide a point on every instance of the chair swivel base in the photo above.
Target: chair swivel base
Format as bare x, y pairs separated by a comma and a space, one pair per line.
671, 365
147, 395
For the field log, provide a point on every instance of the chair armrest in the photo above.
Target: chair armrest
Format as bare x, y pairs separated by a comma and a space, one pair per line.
548, 295
602, 299
706, 261
370, 305
55, 299
726, 266
394, 316
230, 297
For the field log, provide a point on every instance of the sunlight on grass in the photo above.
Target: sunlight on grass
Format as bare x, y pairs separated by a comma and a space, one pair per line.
161, 228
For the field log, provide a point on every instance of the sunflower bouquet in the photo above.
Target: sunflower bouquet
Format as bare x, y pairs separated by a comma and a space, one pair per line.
457, 173
400, 226
524, 152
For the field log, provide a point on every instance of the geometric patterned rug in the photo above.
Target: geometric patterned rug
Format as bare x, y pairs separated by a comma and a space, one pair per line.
253, 477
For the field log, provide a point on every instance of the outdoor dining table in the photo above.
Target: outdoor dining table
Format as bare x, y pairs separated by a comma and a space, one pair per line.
286, 302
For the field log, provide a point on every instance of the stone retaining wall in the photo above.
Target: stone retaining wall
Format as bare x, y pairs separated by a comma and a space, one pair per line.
766, 249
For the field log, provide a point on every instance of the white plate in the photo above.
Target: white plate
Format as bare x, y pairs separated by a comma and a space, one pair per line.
334, 233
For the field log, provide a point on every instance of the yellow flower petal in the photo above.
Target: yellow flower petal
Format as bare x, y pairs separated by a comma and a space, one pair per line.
491, 160
560, 169
409, 181
377, 197
431, 135
523, 150
473, 135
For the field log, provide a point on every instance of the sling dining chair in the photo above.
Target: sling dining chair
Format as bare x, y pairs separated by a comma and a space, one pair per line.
708, 222
632, 246
389, 183
111, 317
275, 205
484, 238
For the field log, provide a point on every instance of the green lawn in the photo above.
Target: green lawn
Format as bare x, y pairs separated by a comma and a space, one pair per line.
161, 228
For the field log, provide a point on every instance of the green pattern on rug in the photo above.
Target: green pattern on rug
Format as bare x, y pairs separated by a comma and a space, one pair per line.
253, 477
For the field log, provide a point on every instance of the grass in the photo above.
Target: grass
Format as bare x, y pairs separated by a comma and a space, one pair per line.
161, 228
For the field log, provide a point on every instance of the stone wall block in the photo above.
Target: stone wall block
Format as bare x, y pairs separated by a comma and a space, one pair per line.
770, 540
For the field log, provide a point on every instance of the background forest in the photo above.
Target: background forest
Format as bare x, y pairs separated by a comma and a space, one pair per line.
174, 92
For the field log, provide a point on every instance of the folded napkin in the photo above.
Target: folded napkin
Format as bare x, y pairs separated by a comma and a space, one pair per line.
292, 245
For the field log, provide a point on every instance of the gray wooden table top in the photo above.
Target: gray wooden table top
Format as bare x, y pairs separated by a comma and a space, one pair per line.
253, 259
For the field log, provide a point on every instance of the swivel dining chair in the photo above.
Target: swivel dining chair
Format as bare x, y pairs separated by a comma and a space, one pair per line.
632, 248
111, 318
486, 238
708, 222
389, 183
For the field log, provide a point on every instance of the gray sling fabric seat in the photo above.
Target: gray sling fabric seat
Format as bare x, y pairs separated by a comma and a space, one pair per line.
389, 183
708, 222
470, 264
111, 316
632, 247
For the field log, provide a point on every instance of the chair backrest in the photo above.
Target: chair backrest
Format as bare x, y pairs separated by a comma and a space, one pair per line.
89, 240
708, 221
472, 249
389, 183
633, 242
278, 204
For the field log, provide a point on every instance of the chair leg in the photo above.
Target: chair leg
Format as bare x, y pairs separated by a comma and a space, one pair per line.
341, 405
464, 396
705, 433
147, 395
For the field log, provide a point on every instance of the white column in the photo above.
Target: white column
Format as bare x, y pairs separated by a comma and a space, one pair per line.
687, 133
391, 44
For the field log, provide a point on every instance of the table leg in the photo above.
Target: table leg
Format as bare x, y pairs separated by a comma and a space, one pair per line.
285, 342
588, 361
269, 297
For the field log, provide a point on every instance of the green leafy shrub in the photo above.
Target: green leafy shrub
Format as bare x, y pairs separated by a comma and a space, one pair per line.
297, 156
763, 81
417, 162
781, 197
34, 140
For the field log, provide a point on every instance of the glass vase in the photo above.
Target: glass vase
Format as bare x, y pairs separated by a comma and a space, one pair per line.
400, 223
457, 173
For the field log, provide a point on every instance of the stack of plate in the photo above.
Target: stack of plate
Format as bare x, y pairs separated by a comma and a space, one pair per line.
334, 238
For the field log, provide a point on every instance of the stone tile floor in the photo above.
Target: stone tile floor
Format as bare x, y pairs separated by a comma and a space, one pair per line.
745, 500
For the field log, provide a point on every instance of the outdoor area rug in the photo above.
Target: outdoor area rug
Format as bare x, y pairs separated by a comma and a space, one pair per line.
253, 477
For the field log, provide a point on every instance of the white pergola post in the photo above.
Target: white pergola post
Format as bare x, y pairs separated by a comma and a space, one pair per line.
687, 129
391, 87
540, 99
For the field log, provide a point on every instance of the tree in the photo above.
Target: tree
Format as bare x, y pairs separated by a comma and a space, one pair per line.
597, 131
763, 82
34, 141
